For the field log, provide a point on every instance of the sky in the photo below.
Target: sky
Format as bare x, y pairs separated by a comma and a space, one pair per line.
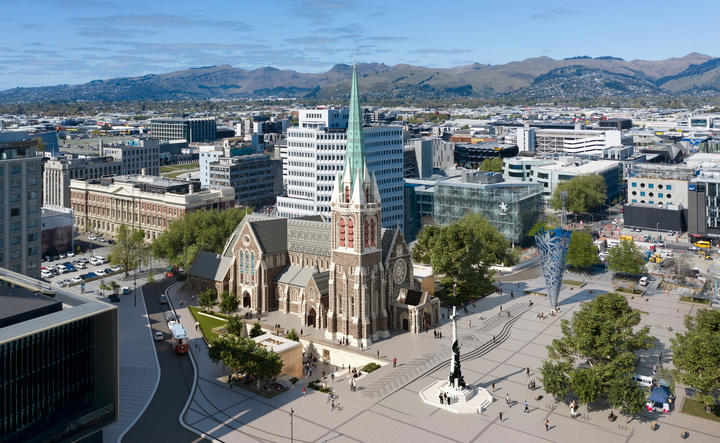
49, 42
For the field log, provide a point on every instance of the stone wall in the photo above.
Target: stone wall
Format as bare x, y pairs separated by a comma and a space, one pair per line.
339, 357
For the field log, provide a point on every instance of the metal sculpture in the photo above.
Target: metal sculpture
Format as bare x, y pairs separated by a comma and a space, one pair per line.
552, 245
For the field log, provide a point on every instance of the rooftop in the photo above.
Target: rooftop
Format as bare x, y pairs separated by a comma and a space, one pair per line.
276, 343
21, 304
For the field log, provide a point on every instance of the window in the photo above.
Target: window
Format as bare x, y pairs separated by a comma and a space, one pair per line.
642, 185
351, 233
650, 194
668, 195
634, 185
634, 193
342, 232
14, 212
668, 187
650, 186
651, 202
634, 201
642, 194
660, 186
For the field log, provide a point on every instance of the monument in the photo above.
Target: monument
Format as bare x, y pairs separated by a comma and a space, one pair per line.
552, 245
454, 394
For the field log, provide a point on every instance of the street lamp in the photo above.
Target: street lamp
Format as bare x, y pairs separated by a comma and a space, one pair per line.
292, 412
657, 230
135, 287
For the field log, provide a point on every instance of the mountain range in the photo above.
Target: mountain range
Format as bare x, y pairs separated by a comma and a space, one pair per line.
539, 78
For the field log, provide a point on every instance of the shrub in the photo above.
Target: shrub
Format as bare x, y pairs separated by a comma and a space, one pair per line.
368, 368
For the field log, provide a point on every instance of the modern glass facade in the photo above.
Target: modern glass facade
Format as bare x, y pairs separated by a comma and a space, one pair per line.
513, 208
47, 380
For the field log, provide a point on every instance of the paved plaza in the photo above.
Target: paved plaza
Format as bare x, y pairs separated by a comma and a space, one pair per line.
391, 410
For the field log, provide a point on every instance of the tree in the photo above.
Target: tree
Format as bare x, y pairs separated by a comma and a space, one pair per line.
235, 326
292, 335
585, 192
207, 299
625, 394
626, 258
582, 253
228, 302
696, 355
196, 231
245, 356
595, 355
129, 248
463, 252
256, 330
492, 165
41, 145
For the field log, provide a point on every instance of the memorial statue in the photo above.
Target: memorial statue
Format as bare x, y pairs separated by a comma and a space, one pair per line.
456, 378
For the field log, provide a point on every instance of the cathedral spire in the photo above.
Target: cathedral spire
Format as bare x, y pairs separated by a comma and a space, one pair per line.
355, 153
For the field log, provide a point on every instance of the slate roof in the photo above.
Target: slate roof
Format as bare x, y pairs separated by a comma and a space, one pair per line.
210, 266
386, 242
413, 297
271, 234
295, 276
322, 280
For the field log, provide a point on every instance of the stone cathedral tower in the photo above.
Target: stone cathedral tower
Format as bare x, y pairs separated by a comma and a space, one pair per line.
357, 306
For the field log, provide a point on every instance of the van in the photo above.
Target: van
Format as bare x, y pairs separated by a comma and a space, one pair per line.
643, 281
643, 380
163, 299
626, 237
702, 244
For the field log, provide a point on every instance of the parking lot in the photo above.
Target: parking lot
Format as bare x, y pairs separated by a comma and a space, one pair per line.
74, 269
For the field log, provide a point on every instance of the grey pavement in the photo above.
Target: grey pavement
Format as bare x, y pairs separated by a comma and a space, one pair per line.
233, 414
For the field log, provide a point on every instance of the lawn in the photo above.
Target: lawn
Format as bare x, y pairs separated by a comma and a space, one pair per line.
206, 324
629, 290
693, 407
185, 166
700, 301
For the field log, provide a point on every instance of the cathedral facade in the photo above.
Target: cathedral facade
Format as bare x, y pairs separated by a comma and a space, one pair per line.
347, 275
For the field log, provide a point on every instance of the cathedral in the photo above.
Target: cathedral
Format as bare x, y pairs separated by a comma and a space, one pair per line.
347, 275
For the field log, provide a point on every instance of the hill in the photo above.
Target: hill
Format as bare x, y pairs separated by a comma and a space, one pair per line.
575, 77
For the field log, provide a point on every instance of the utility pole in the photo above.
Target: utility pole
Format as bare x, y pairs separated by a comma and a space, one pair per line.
292, 411
135, 287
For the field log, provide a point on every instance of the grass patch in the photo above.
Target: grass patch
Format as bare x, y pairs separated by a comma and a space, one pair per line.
185, 166
175, 174
694, 407
206, 324
629, 290
572, 283
700, 301
368, 368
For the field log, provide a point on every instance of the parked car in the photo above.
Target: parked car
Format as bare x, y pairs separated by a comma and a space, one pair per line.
47, 274
83, 260
108, 271
99, 272
76, 279
116, 268
693, 248
100, 239
643, 281
111, 241
81, 265
89, 275
92, 237
124, 290
158, 336
71, 254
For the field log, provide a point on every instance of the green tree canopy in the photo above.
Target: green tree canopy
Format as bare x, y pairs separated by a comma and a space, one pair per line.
696, 355
292, 335
205, 230
463, 252
582, 253
585, 192
235, 326
492, 165
129, 248
595, 355
256, 330
626, 258
207, 299
229, 303
246, 356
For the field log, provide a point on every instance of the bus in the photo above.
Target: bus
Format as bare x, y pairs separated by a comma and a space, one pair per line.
179, 339
702, 244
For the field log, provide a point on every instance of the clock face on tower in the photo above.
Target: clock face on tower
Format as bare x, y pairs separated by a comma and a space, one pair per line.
399, 272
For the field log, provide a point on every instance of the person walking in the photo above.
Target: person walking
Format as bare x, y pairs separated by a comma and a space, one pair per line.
527, 408
500, 415
527, 371
440, 396
507, 399
378, 353
303, 391
394, 362
547, 424
493, 386
332, 377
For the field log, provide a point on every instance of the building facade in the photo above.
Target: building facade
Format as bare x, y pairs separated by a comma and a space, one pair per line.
190, 129
567, 141
256, 178
704, 205
132, 157
57, 231
207, 155
142, 202
59, 363
20, 201
315, 155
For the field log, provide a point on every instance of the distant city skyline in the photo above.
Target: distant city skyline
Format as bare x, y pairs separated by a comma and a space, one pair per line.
74, 41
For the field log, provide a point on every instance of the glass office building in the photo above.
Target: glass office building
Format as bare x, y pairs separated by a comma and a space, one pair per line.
513, 208
58, 363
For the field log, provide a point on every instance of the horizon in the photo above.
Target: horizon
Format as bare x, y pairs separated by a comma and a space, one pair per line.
74, 42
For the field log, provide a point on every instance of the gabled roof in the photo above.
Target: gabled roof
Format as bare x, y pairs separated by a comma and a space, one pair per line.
271, 234
210, 266
386, 242
295, 276
322, 281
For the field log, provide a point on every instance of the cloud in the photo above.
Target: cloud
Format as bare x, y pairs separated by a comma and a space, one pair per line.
441, 51
125, 26
555, 13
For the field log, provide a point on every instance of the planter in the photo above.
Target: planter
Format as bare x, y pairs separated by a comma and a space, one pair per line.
683, 434
653, 426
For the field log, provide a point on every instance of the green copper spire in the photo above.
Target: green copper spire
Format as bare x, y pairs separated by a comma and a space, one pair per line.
355, 153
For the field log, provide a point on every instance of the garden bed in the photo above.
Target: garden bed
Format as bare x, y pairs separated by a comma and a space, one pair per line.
542, 294
573, 283
700, 301
629, 290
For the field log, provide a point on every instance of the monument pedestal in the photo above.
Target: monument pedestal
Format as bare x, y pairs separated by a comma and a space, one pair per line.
467, 400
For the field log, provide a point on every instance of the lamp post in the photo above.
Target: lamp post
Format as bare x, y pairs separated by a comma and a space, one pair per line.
292, 412
135, 287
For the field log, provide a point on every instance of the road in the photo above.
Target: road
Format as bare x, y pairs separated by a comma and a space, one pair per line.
160, 420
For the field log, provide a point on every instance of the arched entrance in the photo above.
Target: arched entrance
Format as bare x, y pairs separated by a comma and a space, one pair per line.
311, 317
405, 321
428, 320
246, 300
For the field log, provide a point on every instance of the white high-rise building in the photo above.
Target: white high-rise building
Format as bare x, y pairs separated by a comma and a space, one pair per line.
315, 153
